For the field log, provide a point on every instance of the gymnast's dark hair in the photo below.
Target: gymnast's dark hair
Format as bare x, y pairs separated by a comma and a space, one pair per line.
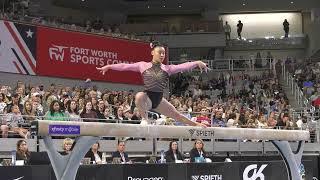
155, 44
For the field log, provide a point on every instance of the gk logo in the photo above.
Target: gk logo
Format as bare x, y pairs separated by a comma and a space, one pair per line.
255, 174
57, 52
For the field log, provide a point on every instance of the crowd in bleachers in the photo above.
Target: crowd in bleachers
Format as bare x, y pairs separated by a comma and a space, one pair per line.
94, 26
228, 101
307, 75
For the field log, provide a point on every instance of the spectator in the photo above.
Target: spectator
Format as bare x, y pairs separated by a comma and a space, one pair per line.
15, 100
88, 114
203, 117
55, 112
73, 111
239, 29
12, 122
100, 110
217, 121
28, 113
197, 150
120, 153
23, 152
286, 28
67, 145
2, 102
173, 154
94, 154
227, 30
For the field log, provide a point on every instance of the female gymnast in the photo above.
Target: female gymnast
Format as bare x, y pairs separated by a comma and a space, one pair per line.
156, 76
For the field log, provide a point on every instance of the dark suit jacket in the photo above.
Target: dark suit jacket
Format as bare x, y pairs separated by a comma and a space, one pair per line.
170, 157
91, 155
195, 153
116, 154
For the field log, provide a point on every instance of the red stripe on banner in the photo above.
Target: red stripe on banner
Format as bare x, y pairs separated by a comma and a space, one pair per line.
16, 65
15, 37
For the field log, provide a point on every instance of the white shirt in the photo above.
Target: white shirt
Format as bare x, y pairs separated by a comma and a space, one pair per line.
97, 158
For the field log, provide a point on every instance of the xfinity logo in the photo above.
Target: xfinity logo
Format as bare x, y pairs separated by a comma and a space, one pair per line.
207, 177
57, 52
146, 178
202, 133
255, 174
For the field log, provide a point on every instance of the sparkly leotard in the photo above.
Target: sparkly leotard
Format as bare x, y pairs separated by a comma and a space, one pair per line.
155, 76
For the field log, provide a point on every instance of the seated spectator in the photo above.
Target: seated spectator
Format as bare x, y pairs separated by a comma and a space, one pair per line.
67, 146
12, 122
217, 120
197, 150
55, 112
88, 114
262, 123
23, 152
15, 100
173, 153
233, 119
3, 104
28, 112
73, 111
284, 122
272, 122
203, 117
94, 154
120, 153
100, 110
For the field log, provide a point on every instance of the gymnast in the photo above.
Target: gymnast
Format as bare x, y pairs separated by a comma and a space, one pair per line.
155, 77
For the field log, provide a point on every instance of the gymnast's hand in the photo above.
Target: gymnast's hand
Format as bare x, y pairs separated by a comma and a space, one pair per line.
202, 66
103, 69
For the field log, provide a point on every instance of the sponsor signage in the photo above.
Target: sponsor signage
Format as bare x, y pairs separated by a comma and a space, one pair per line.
64, 129
146, 172
201, 133
76, 55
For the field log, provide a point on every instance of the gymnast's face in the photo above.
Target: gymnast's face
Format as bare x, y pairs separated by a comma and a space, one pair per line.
158, 54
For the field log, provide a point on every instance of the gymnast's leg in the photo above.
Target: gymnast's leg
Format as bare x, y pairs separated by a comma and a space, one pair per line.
143, 104
169, 110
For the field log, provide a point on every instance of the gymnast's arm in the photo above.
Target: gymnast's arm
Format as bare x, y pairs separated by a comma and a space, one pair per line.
135, 67
173, 69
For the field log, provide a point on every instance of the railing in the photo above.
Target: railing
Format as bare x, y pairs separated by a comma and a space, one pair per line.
301, 100
268, 43
236, 64
179, 27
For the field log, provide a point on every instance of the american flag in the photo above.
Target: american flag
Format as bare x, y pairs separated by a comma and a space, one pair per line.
18, 48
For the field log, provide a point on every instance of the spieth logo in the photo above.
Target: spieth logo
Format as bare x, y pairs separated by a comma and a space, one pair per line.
255, 174
57, 52
202, 133
146, 178
207, 177
191, 131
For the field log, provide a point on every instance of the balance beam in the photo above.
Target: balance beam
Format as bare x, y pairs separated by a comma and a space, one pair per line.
69, 128
87, 133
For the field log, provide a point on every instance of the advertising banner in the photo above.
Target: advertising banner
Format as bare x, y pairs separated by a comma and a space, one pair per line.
17, 48
146, 172
76, 55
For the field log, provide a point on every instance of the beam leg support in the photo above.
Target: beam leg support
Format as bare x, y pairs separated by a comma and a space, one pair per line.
292, 159
66, 167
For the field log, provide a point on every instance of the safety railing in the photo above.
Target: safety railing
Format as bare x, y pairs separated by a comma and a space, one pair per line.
232, 64
301, 100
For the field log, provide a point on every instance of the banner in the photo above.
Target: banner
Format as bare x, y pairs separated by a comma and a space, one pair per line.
17, 48
146, 172
76, 55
